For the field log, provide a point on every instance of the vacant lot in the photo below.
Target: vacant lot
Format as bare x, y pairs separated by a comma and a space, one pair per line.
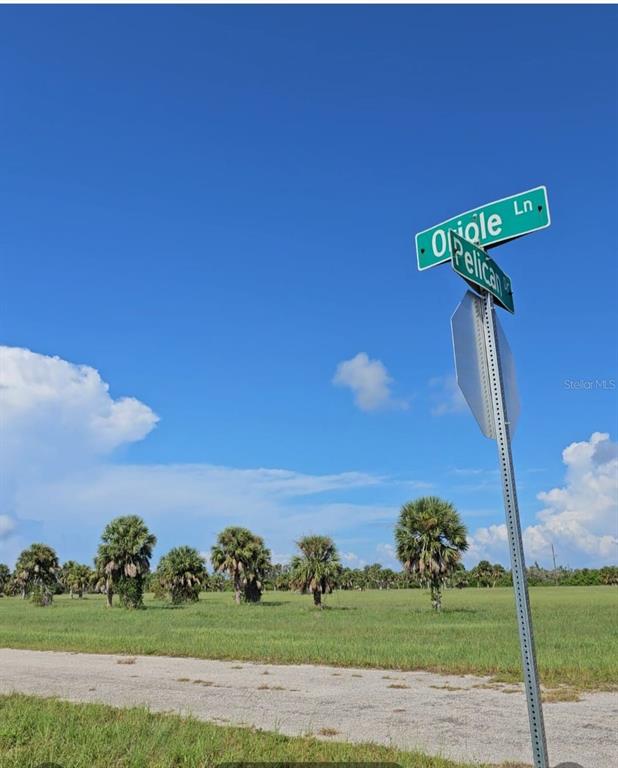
34, 731
457, 717
575, 630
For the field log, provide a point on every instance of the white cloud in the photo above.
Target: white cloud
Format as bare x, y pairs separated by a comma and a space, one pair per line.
387, 555
59, 425
190, 490
282, 558
7, 526
56, 419
446, 396
369, 381
184, 502
487, 543
418, 485
352, 560
49, 406
580, 518
582, 515
10, 543
205, 556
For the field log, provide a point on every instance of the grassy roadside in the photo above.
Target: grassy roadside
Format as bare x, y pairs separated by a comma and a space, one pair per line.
34, 731
575, 629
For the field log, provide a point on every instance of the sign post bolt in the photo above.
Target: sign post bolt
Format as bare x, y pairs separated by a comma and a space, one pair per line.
518, 565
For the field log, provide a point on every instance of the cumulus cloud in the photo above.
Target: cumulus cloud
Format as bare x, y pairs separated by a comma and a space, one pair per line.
48, 405
59, 426
487, 543
56, 419
579, 518
369, 381
582, 514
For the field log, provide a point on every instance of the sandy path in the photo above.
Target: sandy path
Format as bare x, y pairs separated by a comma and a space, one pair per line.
439, 715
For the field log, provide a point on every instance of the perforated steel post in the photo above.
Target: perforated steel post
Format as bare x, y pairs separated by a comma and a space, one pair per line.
518, 565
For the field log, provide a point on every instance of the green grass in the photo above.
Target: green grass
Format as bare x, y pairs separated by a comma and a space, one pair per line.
575, 627
35, 731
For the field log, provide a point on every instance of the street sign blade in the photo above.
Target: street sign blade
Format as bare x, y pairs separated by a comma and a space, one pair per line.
479, 269
486, 225
471, 361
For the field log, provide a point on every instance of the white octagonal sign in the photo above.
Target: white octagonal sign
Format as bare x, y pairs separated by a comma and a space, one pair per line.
471, 365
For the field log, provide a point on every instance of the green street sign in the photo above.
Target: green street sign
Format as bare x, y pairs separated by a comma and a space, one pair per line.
478, 269
488, 225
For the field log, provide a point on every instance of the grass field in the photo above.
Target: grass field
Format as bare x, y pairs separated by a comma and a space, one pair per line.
576, 635
36, 731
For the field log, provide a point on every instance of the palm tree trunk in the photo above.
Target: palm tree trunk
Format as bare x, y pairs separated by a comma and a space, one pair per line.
237, 590
109, 594
436, 596
317, 598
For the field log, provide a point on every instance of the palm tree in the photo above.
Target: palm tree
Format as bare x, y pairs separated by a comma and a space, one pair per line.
608, 575
76, 577
317, 569
105, 573
36, 572
388, 578
255, 572
182, 574
459, 577
278, 576
483, 573
217, 583
123, 559
498, 572
430, 539
5, 578
244, 557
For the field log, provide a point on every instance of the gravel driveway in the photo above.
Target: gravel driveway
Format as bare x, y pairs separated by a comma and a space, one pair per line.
463, 718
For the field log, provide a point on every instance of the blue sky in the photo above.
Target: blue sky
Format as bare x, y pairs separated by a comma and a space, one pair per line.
214, 208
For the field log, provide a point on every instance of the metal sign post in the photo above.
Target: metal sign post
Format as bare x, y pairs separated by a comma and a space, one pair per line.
518, 565
486, 375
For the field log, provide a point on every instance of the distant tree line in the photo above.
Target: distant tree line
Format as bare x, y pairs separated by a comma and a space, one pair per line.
429, 536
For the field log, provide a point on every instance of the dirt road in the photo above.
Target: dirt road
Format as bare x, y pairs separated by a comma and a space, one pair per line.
463, 718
